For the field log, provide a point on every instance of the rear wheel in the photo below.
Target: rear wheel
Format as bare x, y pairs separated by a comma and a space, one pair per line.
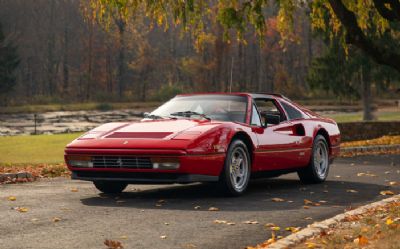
236, 173
110, 187
317, 170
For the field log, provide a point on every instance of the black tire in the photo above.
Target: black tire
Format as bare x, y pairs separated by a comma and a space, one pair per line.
227, 184
314, 173
110, 187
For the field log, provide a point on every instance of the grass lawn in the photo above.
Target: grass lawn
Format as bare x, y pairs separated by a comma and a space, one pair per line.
351, 117
78, 107
47, 149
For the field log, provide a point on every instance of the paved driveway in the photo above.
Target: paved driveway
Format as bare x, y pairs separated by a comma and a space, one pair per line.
137, 218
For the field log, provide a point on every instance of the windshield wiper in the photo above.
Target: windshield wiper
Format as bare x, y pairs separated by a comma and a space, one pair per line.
153, 116
188, 114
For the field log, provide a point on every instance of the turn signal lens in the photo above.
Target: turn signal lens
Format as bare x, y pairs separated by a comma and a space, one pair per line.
165, 163
80, 161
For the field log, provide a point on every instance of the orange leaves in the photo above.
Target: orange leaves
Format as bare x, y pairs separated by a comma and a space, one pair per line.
378, 141
361, 240
113, 244
386, 192
22, 209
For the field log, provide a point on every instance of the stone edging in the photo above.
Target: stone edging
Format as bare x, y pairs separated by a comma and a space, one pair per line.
315, 229
16, 177
369, 148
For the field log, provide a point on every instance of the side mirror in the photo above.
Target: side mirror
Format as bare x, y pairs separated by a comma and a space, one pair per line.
271, 119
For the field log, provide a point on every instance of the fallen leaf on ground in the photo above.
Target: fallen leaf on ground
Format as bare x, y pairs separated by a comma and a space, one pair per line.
251, 222
220, 221
311, 245
123, 237
197, 207
307, 202
12, 198
386, 192
161, 201
74, 190
112, 244
306, 207
22, 209
270, 225
231, 223
351, 191
34, 219
293, 229
394, 183
213, 209
308, 218
163, 236
389, 221
361, 240
277, 199
56, 219
275, 228
166, 223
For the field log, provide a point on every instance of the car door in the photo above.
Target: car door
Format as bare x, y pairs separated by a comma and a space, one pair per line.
283, 145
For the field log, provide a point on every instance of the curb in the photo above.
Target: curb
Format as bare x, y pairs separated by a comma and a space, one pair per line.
16, 177
318, 227
369, 148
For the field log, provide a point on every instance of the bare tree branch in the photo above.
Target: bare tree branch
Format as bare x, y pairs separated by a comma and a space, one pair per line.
392, 14
356, 37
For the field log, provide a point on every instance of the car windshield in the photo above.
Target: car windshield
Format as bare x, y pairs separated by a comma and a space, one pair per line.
215, 107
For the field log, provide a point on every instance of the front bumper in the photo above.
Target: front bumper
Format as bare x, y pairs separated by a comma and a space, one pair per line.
142, 177
193, 167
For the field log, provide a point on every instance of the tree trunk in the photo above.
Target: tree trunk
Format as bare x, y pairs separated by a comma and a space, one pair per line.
65, 61
90, 59
121, 58
366, 96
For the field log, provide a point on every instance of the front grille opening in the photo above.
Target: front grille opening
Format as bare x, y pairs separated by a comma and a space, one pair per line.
122, 162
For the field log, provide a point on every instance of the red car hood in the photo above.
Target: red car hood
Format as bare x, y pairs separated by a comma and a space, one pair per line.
152, 134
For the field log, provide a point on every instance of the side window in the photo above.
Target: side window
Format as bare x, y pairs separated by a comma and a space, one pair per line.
255, 117
268, 106
292, 112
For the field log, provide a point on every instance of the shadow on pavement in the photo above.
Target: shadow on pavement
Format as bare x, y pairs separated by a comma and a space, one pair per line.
257, 198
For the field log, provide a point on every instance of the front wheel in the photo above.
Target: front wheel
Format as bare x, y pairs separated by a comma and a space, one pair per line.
236, 173
110, 187
318, 168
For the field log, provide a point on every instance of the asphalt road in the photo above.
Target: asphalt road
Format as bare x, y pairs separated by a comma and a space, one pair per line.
134, 218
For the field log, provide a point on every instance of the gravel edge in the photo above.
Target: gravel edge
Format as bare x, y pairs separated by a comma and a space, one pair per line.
316, 228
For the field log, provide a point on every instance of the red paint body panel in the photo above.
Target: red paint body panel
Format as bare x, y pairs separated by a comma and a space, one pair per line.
201, 145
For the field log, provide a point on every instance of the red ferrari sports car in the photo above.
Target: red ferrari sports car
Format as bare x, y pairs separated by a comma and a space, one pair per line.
227, 138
